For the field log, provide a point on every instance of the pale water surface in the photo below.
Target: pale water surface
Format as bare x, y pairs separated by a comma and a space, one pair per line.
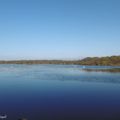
58, 92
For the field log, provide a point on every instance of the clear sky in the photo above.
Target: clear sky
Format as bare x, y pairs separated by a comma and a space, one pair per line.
59, 29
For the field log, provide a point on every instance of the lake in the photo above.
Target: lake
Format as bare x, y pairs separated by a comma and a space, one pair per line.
58, 92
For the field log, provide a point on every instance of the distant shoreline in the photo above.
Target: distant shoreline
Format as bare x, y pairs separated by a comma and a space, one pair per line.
98, 61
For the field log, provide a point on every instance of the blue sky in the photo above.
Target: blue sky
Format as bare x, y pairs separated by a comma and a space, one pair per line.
59, 29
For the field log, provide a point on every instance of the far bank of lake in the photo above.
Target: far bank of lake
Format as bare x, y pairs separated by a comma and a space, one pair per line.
98, 61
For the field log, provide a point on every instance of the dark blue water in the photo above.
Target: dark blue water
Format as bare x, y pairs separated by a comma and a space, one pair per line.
58, 92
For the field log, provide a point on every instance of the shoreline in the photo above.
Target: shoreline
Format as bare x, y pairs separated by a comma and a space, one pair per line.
32, 62
91, 61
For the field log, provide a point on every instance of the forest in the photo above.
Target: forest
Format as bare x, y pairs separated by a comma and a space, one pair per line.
106, 61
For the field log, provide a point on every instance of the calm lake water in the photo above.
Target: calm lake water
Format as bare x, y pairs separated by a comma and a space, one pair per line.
58, 92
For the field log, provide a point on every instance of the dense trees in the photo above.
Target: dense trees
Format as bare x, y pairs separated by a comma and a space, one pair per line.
113, 60
36, 62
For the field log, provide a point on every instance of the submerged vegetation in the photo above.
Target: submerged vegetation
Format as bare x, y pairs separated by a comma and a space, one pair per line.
107, 61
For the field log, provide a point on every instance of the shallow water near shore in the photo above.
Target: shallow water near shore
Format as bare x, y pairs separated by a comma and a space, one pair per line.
59, 92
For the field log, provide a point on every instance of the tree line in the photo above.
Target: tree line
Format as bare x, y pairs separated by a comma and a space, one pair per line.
110, 60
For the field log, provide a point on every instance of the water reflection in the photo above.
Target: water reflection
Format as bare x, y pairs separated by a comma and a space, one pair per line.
58, 92
111, 70
60, 73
